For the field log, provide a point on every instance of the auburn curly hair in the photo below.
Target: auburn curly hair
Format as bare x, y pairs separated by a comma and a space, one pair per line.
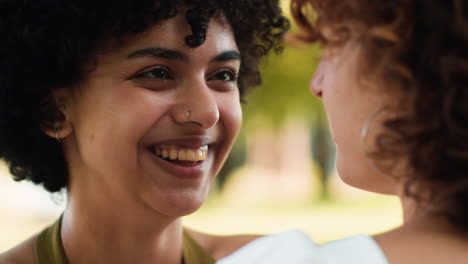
48, 44
419, 50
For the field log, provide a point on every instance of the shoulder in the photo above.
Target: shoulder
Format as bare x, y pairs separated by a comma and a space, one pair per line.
287, 247
404, 245
20, 254
221, 246
296, 247
361, 249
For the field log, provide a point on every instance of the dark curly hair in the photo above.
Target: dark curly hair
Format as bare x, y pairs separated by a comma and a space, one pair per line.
418, 51
48, 44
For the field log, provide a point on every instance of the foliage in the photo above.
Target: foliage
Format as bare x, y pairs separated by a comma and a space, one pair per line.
284, 92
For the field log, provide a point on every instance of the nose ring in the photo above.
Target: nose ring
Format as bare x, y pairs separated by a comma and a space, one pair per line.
189, 121
188, 116
57, 130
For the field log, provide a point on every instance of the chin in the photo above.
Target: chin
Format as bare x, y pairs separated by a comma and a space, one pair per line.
182, 211
365, 178
181, 205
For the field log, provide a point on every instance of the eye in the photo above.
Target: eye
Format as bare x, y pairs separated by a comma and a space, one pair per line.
225, 76
158, 72
157, 78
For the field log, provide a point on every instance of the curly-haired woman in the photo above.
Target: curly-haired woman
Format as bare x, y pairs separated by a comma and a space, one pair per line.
132, 106
394, 80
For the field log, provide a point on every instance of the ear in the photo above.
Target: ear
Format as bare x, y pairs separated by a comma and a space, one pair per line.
55, 114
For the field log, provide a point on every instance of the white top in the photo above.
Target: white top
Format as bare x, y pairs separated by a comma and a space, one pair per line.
295, 247
360, 249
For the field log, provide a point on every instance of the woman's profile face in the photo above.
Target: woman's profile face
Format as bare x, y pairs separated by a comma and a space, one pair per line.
132, 141
349, 104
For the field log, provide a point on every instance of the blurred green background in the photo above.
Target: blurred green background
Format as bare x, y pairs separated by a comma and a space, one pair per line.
280, 175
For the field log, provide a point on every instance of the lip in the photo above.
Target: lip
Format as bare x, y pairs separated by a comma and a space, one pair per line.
183, 171
194, 142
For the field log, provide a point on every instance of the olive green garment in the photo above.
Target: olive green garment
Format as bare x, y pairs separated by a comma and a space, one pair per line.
49, 249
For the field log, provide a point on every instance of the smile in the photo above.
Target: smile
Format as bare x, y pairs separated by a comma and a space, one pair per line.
172, 153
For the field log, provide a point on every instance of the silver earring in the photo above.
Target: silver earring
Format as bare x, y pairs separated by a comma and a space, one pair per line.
364, 138
366, 127
57, 134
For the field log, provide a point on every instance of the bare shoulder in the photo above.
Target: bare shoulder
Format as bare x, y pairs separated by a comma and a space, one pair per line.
406, 246
20, 254
221, 246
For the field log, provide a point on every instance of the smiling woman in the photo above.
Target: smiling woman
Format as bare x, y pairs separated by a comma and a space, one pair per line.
132, 106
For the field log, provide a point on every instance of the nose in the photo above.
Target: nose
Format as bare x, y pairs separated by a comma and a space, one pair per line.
316, 83
197, 106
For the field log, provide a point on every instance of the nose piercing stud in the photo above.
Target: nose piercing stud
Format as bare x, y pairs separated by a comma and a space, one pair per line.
189, 121
188, 116
57, 134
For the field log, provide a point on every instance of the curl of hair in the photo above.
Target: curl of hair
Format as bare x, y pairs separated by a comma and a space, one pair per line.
49, 44
418, 51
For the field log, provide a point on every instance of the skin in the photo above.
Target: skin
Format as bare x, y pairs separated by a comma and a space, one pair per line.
132, 100
348, 107
423, 237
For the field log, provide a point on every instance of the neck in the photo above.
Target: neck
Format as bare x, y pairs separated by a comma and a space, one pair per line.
417, 217
94, 232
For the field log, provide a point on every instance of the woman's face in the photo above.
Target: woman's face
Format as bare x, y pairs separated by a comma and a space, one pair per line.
349, 104
132, 140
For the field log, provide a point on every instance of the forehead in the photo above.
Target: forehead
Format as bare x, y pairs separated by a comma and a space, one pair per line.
171, 34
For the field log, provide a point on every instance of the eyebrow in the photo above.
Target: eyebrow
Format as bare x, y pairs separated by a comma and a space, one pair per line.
227, 55
177, 55
159, 53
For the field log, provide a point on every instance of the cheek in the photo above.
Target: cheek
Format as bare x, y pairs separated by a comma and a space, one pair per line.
337, 112
231, 117
116, 123
344, 119
235, 118
228, 126
343, 104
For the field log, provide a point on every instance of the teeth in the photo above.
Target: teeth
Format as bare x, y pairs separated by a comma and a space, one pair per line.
183, 154
191, 155
173, 154
199, 155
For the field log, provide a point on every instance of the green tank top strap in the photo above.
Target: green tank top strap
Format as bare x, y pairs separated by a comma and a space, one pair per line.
49, 248
194, 253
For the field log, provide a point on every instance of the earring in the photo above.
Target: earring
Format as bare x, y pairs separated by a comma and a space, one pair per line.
366, 127
57, 134
365, 131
